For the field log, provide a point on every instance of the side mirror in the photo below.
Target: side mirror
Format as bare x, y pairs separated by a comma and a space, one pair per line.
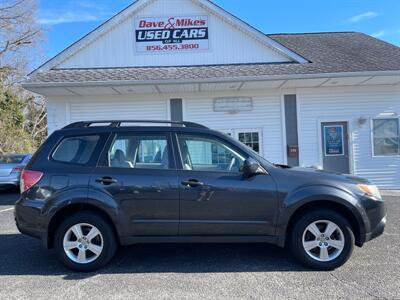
251, 167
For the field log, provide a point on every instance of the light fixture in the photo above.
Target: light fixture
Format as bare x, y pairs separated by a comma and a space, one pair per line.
362, 120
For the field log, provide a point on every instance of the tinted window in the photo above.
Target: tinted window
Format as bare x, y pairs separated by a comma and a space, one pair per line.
11, 159
76, 150
136, 151
206, 154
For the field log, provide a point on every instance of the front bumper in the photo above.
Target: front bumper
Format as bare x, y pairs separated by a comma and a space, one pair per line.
374, 219
377, 231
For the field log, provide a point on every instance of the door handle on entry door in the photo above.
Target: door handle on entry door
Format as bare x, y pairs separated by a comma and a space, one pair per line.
192, 183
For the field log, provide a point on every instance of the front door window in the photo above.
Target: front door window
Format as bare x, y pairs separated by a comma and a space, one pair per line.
206, 154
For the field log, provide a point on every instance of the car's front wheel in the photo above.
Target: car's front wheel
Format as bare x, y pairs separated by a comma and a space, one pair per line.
85, 242
322, 239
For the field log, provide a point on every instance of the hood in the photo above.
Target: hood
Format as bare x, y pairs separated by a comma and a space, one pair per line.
322, 175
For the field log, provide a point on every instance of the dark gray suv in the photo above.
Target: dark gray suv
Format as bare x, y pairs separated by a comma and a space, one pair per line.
93, 186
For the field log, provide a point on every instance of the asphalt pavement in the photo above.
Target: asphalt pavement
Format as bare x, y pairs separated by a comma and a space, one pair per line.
193, 271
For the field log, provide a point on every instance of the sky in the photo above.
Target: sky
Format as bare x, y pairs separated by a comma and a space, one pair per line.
66, 21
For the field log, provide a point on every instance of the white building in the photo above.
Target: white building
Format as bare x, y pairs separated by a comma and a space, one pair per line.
328, 100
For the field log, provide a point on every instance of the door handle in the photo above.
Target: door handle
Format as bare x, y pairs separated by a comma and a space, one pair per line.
106, 180
192, 183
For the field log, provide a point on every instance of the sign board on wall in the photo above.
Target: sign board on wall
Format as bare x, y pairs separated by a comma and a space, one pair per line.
171, 34
233, 104
334, 140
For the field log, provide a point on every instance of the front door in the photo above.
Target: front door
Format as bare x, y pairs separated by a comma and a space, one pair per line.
216, 199
335, 147
138, 172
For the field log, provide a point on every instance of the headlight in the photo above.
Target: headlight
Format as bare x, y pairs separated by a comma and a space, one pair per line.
370, 190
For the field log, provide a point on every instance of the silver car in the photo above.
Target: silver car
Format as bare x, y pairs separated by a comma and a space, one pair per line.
11, 166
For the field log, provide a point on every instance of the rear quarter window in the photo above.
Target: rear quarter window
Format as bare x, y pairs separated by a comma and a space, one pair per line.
76, 150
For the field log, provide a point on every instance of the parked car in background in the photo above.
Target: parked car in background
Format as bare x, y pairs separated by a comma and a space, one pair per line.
11, 166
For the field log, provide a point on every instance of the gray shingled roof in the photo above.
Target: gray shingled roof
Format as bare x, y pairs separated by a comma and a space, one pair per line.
326, 52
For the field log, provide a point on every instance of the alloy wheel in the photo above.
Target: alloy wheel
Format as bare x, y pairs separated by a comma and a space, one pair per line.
83, 243
323, 240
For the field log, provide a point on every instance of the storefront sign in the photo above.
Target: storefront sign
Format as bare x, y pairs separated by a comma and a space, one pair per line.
233, 105
170, 34
334, 141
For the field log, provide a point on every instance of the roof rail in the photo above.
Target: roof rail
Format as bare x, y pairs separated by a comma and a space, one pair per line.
117, 123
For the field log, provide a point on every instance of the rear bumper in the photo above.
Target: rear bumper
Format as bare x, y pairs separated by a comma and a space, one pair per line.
12, 179
29, 219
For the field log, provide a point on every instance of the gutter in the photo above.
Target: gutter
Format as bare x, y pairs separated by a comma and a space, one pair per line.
28, 85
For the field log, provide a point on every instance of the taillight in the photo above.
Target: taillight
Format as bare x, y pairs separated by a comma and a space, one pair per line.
17, 170
29, 179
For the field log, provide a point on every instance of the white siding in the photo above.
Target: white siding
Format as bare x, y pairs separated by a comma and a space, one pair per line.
227, 44
117, 108
56, 114
266, 116
349, 104
65, 110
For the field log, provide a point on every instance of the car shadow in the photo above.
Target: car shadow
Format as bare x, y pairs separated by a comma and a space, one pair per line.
22, 255
8, 196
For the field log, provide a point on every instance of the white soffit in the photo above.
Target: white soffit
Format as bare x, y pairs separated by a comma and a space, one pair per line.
223, 86
49, 92
136, 89
382, 80
294, 83
93, 91
345, 81
257, 85
178, 88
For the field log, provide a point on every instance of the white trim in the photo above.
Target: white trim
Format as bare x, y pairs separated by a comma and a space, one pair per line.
299, 125
283, 128
67, 113
372, 136
213, 80
168, 110
184, 106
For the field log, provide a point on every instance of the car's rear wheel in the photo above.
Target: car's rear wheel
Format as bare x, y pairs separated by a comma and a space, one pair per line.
322, 239
85, 242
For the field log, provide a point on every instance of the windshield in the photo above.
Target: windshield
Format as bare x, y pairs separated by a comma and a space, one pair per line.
11, 159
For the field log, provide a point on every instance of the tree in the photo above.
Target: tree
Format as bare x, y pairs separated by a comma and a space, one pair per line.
20, 35
13, 137
22, 115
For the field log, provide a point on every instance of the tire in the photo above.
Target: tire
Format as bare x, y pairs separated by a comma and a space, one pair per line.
331, 251
103, 243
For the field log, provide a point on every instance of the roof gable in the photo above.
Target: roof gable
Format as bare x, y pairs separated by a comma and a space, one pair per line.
265, 49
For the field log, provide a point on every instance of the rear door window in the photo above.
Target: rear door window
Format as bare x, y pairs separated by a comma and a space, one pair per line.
139, 151
76, 150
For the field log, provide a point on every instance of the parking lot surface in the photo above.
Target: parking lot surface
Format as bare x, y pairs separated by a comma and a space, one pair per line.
229, 271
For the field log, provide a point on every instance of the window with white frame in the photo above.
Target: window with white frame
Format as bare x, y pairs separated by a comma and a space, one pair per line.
250, 139
386, 137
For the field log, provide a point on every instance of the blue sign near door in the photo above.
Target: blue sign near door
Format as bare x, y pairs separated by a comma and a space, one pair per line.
334, 140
